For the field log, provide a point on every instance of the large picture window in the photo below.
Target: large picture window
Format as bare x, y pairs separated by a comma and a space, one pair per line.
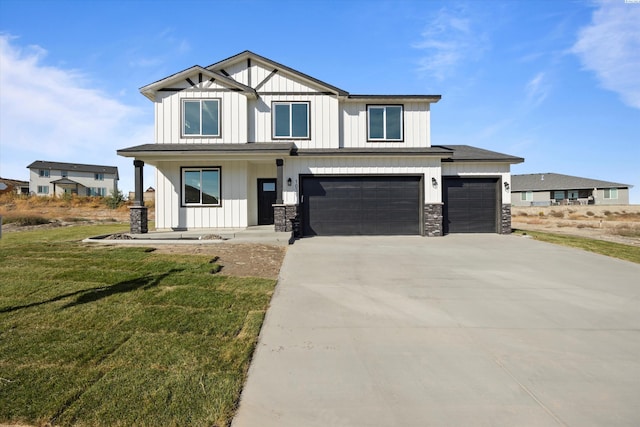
290, 120
201, 117
384, 122
201, 186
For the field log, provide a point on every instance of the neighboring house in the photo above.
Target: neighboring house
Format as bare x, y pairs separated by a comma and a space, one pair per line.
14, 186
545, 189
55, 178
248, 141
149, 195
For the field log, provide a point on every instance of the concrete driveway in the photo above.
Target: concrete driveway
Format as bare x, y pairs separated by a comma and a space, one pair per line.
464, 330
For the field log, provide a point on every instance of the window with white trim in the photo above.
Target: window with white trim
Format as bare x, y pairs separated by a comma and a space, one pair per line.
98, 176
201, 186
384, 123
64, 174
610, 193
290, 120
43, 189
201, 117
526, 196
44, 173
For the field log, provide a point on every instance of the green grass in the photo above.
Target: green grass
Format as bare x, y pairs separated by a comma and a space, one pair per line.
612, 249
117, 336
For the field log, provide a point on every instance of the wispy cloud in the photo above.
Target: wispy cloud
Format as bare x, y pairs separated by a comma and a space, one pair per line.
450, 39
52, 113
537, 89
610, 47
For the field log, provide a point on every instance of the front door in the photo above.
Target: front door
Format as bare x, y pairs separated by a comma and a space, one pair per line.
266, 199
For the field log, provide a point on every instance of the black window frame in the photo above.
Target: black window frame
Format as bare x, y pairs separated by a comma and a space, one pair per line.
183, 202
385, 139
183, 101
273, 120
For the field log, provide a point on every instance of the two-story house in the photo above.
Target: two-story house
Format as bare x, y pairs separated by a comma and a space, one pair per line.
248, 141
55, 178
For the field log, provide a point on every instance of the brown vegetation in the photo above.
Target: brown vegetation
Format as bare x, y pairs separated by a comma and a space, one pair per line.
612, 223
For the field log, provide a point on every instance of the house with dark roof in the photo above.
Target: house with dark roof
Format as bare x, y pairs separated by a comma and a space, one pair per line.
14, 186
545, 189
248, 141
56, 178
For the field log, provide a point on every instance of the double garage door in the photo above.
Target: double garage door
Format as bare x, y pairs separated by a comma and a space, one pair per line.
361, 205
392, 205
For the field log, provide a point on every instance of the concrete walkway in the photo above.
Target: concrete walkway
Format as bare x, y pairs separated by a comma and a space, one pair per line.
465, 330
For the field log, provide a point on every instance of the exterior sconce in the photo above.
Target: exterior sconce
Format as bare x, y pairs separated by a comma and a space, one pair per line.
434, 182
288, 182
506, 186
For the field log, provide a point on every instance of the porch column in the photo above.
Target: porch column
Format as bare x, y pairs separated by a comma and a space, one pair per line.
139, 198
139, 223
279, 179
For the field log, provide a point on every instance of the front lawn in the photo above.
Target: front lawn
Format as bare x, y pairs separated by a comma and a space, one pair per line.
107, 336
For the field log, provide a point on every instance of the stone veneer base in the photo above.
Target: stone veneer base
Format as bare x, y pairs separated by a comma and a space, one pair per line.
138, 216
433, 220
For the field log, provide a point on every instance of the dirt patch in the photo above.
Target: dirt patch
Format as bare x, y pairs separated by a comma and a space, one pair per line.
619, 224
237, 259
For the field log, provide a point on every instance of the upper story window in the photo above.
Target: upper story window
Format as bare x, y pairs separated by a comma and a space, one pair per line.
64, 174
201, 186
44, 173
384, 122
201, 117
98, 176
610, 193
290, 120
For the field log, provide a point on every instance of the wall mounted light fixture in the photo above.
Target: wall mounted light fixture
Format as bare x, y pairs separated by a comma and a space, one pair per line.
506, 186
288, 182
434, 182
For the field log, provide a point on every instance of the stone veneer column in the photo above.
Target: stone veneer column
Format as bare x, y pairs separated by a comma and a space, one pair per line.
138, 219
282, 216
505, 219
433, 220
138, 215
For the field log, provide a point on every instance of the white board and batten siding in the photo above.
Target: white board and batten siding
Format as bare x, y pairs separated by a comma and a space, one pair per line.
482, 170
429, 168
416, 125
234, 192
233, 115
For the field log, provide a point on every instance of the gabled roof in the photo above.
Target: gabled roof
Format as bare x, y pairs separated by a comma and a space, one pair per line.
150, 90
556, 181
41, 164
467, 153
247, 54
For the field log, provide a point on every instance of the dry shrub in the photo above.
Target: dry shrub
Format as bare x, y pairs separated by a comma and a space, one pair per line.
556, 214
626, 230
25, 220
576, 216
583, 225
589, 213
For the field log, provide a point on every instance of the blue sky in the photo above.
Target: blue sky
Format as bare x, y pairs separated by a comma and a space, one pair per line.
555, 82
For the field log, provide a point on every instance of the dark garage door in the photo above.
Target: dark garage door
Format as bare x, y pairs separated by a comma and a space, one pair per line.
470, 205
361, 205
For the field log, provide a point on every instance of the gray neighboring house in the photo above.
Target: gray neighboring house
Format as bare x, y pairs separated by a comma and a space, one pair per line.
55, 178
547, 189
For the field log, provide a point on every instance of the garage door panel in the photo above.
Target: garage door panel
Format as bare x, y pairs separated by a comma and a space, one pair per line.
470, 205
361, 205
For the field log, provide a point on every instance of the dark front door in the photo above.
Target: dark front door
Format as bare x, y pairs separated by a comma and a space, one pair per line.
266, 199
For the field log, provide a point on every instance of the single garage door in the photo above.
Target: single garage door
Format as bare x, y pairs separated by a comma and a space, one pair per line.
361, 205
470, 205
